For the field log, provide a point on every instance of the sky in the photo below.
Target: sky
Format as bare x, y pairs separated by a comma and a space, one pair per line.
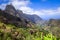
46, 9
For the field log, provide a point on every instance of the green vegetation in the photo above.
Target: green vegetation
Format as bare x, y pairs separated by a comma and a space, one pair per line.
10, 32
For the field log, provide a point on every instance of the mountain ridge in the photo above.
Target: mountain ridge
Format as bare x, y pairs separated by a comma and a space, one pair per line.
33, 18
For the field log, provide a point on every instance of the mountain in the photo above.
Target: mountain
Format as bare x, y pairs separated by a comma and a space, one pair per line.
19, 19
10, 19
12, 16
54, 22
33, 18
53, 26
10, 9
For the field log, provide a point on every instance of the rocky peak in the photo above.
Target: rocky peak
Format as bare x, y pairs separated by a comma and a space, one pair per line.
10, 9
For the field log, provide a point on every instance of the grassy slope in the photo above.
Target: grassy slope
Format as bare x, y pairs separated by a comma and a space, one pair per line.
10, 32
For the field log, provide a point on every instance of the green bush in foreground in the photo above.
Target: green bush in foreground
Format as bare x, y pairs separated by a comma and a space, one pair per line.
10, 32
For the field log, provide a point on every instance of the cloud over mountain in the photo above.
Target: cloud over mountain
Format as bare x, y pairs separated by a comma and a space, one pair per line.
24, 6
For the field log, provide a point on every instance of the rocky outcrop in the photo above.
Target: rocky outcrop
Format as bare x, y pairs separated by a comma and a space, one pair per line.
11, 19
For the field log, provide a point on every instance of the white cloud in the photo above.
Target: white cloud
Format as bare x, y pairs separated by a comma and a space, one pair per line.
2, 6
20, 3
27, 10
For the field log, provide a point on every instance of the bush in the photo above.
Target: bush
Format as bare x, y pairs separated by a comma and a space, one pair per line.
15, 33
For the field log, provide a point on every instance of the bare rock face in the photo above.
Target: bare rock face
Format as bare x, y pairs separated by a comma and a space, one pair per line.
10, 9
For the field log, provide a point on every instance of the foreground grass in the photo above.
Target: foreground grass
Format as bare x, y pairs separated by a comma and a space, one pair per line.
10, 32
